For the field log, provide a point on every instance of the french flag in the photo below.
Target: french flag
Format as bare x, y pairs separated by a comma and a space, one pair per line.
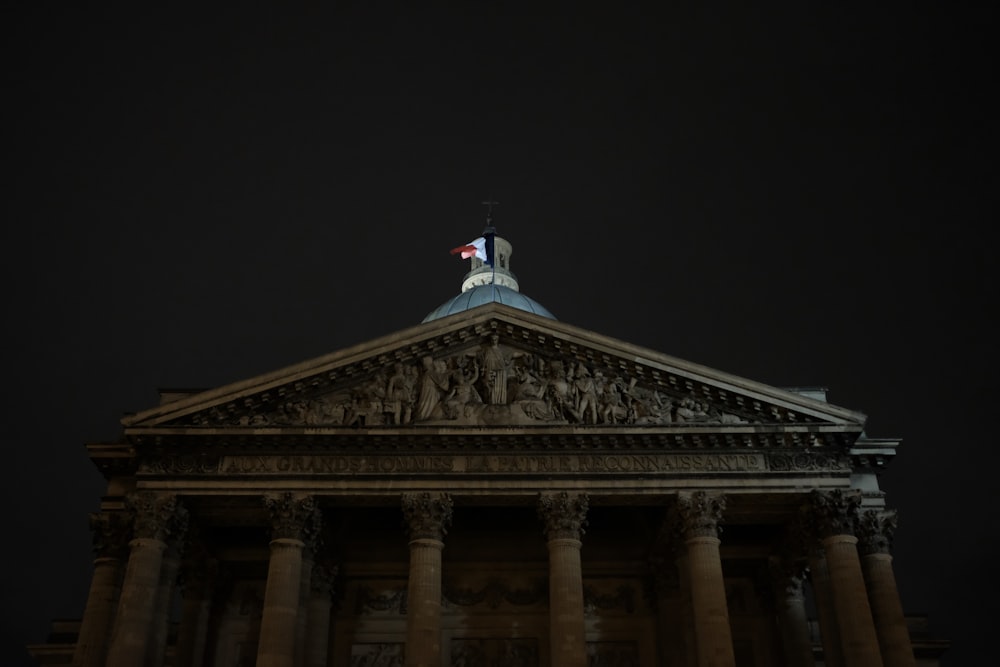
481, 248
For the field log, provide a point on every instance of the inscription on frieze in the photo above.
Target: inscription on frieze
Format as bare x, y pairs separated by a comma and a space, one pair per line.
498, 464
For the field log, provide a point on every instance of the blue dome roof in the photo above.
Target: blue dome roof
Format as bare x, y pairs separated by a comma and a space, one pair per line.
483, 294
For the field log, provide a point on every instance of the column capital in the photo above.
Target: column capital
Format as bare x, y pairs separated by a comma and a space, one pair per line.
293, 517
110, 532
699, 513
564, 514
829, 513
427, 515
157, 516
876, 529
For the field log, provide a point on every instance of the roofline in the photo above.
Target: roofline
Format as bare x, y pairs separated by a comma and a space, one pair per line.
471, 318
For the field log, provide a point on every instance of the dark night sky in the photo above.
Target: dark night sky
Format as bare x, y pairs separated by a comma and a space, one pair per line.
798, 196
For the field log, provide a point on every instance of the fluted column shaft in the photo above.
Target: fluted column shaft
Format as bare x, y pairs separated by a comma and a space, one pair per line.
793, 623
318, 628
294, 521
155, 517
423, 613
303, 614
689, 647
670, 616
199, 574
850, 599
110, 533
95, 627
157, 650
427, 517
195, 612
564, 515
281, 604
887, 610
835, 515
877, 530
699, 516
134, 619
819, 577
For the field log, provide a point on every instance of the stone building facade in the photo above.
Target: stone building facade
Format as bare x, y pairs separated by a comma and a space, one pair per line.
493, 487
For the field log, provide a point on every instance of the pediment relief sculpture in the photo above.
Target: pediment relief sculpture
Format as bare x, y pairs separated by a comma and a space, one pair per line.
491, 384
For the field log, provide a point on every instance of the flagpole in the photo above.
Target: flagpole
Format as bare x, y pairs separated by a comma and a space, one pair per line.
490, 234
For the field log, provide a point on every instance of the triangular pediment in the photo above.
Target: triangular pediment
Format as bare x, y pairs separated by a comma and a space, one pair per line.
496, 367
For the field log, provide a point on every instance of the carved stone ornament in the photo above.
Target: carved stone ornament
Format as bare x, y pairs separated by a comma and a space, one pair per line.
157, 516
808, 461
699, 514
492, 384
427, 515
829, 513
513, 651
380, 654
294, 517
564, 514
371, 602
495, 593
612, 654
622, 599
110, 532
876, 530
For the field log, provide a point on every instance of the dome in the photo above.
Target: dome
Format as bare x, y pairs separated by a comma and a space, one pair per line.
483, 294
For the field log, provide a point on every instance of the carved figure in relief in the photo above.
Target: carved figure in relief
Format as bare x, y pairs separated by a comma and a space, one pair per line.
399, 396
433, 387
463, 393
649, 407
585, 390
690, 410
367, 403
529, 393
493, 385
496, 366
685, 411
558, 391
613, 408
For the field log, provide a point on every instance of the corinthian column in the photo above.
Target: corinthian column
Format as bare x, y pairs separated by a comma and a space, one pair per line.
199, 573
671, 616
787, 576
427, 518
699, 515
565, 517
157, 651
156, 518
318, 628
305, 579
876, 530
110, 534
834, 514
295, 520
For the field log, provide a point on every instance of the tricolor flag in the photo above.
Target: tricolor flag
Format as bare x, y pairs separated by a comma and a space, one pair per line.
475, 248
481, 248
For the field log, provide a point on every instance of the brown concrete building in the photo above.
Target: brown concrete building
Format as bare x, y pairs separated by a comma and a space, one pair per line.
493, 487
